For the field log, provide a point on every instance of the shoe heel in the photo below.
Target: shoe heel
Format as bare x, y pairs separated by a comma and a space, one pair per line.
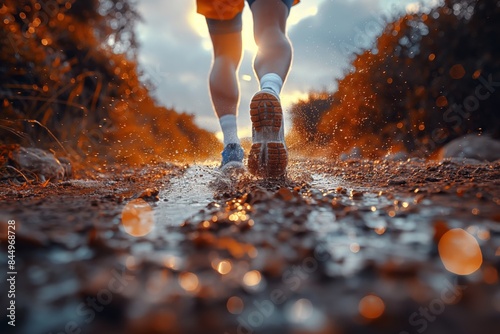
266, 115
254, 158
277, 160
268, 156
269, 160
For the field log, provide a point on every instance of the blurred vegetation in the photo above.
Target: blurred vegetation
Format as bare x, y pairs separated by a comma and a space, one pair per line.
68, 71
430, 77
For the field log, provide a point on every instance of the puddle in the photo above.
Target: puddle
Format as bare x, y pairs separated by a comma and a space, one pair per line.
368, 228
186, 195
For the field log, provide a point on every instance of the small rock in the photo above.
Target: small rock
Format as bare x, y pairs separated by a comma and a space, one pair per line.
39, 162
341, 190
203, 239
396, 182
150, 194
336, 204
472, 147
285, 194
354, 153
398, 156
66, 164
356, 194
258, 196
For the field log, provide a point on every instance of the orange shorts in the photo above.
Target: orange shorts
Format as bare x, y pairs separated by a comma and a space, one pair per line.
225, 9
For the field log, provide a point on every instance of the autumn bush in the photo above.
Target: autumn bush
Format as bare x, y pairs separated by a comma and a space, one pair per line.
69, 80
428, 78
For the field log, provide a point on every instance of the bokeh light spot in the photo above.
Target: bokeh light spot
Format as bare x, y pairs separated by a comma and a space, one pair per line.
457, 72
371, 307
235, 305
301, 310
188, 281
460, 252
442, 101
490, 275
252, 278
224, 267
137, 218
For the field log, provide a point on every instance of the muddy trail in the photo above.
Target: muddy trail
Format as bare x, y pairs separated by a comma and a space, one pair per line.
336, 247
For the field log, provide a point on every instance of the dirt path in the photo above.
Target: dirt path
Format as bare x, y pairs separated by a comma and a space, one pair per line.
335, 248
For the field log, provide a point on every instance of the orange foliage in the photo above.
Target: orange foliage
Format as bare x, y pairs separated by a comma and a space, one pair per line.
147, 131
71, 65
412, 89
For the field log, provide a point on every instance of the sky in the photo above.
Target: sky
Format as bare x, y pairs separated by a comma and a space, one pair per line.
175, 51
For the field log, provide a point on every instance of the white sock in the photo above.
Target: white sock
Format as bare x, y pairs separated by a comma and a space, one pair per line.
272, 82
229, 129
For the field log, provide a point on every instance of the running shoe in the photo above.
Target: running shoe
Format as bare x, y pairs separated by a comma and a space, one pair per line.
268, 156
232, 155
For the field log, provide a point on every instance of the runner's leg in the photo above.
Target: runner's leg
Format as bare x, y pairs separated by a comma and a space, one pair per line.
224, 87
274, 48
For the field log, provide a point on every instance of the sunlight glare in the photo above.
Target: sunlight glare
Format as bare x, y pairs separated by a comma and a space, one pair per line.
413, 8
243, 132
290, 98
298, 15
247, 32
198, 24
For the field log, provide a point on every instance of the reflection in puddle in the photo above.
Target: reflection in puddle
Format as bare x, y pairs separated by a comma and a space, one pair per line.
370, 226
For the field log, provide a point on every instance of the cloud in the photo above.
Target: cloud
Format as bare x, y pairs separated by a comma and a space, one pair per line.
319, 41
173, 57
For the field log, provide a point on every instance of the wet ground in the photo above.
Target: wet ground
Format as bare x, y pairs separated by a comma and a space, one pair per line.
344, 247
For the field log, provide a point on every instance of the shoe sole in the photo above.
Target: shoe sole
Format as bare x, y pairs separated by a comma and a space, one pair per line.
268, 156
